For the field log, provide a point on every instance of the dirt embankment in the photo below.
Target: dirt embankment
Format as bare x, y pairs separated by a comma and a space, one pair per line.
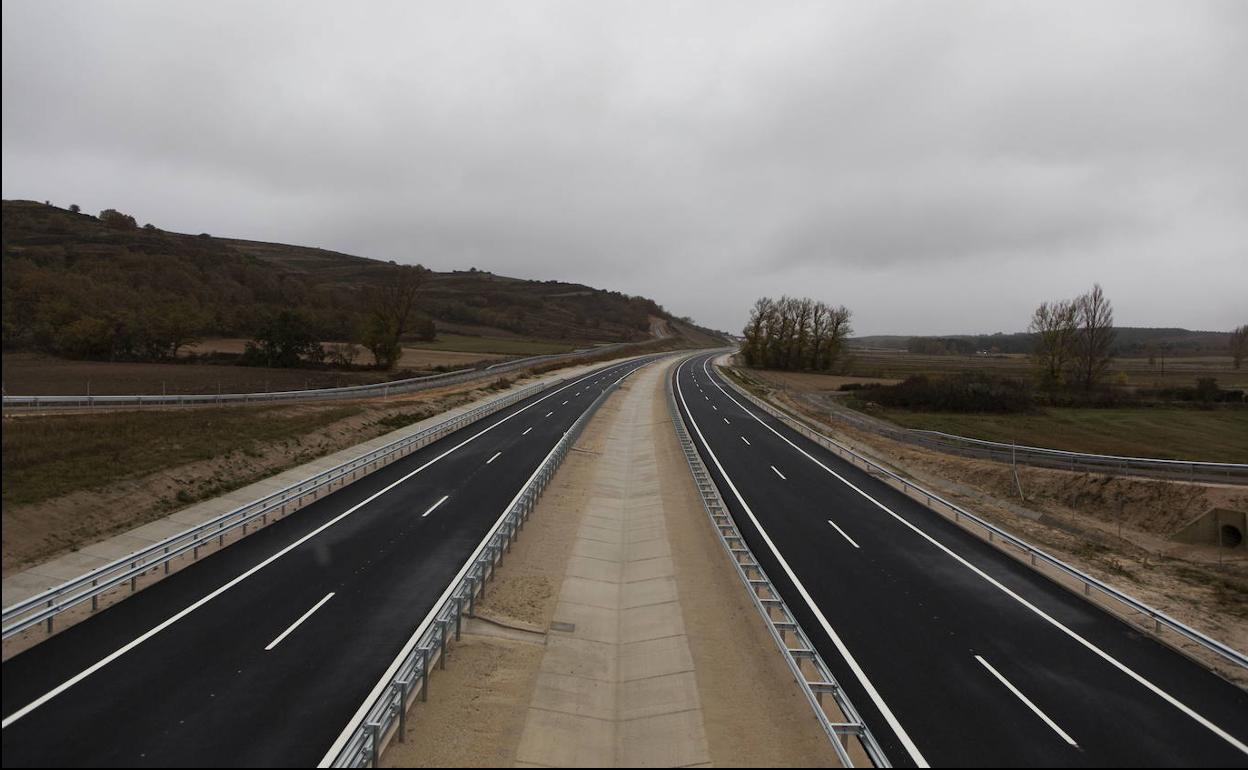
1116, 528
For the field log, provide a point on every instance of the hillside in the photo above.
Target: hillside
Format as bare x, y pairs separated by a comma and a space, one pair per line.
75, 286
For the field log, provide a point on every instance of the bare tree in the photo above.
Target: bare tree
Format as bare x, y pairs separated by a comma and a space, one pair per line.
1054, 327
391, 313
1095, 336
792, 333
1239, 345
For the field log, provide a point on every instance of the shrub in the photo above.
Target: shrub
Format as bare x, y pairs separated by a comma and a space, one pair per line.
117, 220
968, 392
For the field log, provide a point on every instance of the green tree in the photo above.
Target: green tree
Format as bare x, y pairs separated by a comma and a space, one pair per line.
117, 220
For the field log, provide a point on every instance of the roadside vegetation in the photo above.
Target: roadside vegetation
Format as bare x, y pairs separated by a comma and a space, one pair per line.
46, 457
1176, 434
102, 288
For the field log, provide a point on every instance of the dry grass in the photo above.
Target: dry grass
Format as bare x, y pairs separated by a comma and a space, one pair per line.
46, 457
1178, 371
36, 374
1214, 435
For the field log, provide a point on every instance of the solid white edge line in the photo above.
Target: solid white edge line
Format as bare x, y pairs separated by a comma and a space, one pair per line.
492, 459
55, 691
434, 507
1218, 731
1035, 709
844, 535
915, 755
778, 473
386, 677
295, 625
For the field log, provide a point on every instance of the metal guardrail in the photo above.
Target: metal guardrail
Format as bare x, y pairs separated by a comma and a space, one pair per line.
44, 607
1159, 620
382, 389
384, 713
1042, 457
1189, 470
780, 621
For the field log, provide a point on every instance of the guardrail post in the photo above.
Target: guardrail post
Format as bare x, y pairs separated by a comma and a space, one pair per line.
133, 578
50, 617
166, 560
373, 729
459, 607
402, 686
424, 674
442, 644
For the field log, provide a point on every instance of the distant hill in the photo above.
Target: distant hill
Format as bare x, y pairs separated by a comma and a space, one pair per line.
1128, 340
70, 278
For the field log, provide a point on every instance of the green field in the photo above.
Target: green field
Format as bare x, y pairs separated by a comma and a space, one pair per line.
49, 456
509, 347
1215, 435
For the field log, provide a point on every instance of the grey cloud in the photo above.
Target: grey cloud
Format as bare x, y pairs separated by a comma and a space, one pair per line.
698, 153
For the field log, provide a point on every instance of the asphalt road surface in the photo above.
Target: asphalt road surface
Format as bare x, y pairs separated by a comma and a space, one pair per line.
259, 654
954, 653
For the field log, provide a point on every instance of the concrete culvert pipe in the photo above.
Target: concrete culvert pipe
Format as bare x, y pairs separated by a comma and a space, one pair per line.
1230, 536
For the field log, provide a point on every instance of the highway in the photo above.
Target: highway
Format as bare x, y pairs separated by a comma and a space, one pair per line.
954, 653
259, 654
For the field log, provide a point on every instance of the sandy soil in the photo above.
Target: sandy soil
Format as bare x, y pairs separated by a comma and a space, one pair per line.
476, 711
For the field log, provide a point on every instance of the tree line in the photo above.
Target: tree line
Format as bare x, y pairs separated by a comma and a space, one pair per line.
795, 334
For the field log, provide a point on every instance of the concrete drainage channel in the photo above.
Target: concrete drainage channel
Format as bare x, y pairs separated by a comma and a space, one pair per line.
847, 732
383, 715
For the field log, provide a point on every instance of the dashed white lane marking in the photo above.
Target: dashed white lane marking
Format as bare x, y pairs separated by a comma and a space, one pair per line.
101, 663
714, 407
746, 440
295, 625
915, 755
548, 414
1105, 656
526, 431
565, 403
778, 473
492, 459
1025, 700
434, 507
726, 421
847, 537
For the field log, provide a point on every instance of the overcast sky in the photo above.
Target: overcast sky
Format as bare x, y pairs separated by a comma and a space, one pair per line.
938, 167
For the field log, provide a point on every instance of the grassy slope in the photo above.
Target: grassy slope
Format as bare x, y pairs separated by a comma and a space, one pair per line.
502, 346
1219, 435
48, 456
